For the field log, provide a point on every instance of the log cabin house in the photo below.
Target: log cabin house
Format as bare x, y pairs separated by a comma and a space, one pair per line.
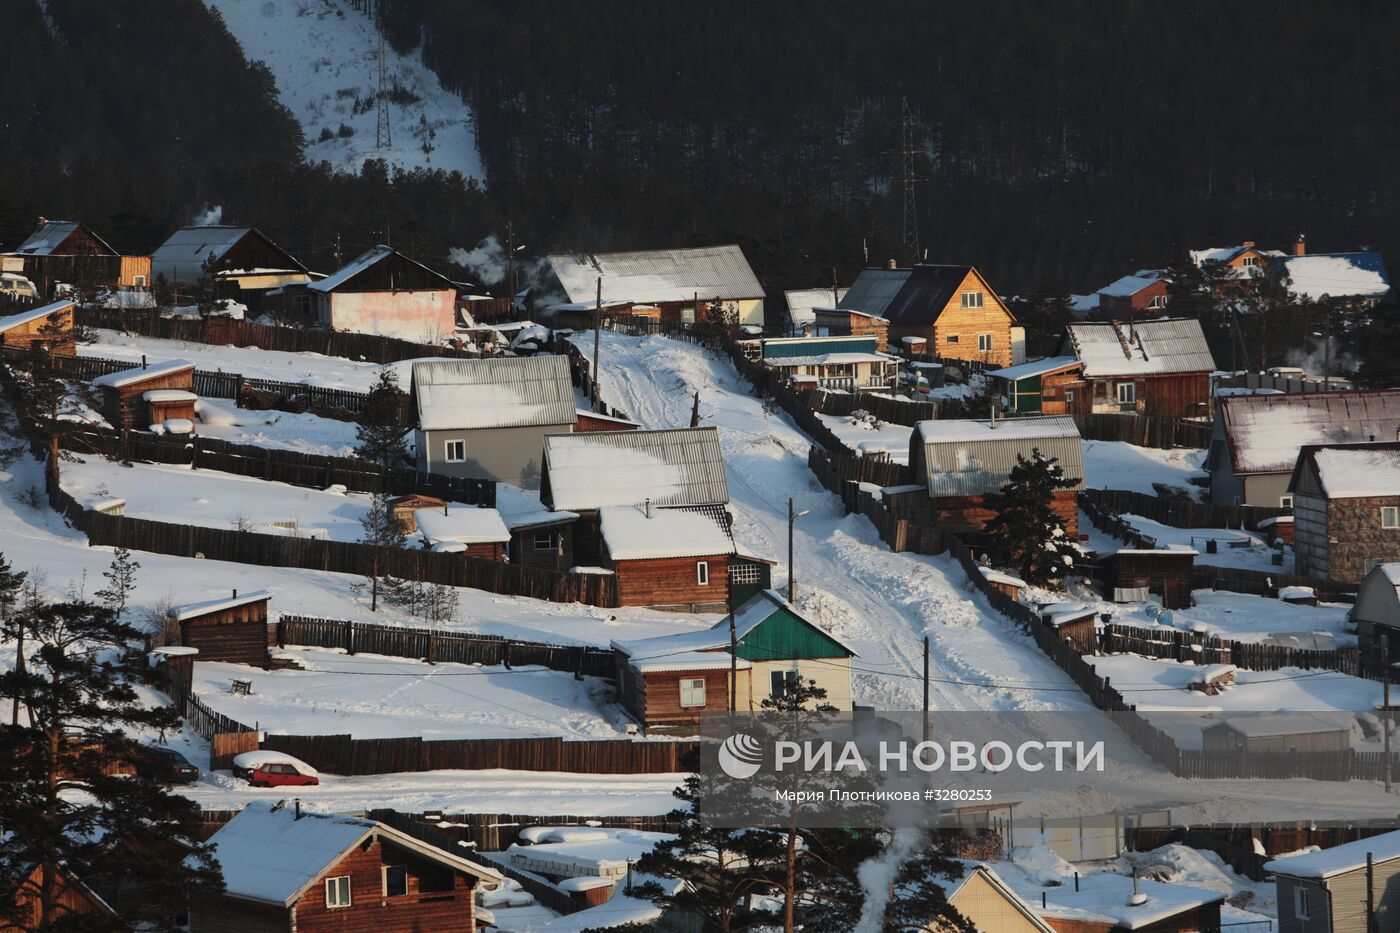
848, 363
384, 292
291, 871
667, 682
847, 322
1134, 297
1155, 367
956, 311
50, 327
244, 264
1346, 509
464, 529
1256, 439
672, 559
232, 629
1376, 615
67, 251
1038, 387
146, 397
406, 507
678, 283
542, 539
20, 909
955, 463
1107, 902
1135, 572
488, 418
672, 467
1350, 888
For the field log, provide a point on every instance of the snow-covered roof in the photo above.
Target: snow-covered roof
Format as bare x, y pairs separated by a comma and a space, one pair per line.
827, 359
1058, 614
1005, 579
1033, 368
1266, 432
632, 534
133, 376
1127, 286
1105, 897
191, 610
50, 236
169, 395
536, 518
1339, 275
873, 290
674, 466
364, 261
268, 854
970, 457
35, 314
499, 392
1083, 304
1163, 345
1353, 472
461, 525
658, 275
803, 302
184, 254
1268, 725
1350, 856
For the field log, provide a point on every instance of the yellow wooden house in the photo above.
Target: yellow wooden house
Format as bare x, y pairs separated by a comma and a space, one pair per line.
957, 313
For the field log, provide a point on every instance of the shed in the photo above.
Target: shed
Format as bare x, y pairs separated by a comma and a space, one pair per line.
1340, 889
676, 558
384, 292
1004, 583
1074, 623
802, 304
68, 251
1164, 571
464, 529
406, 507
50, 326
1376, 614
836, 322
1037, 387
541, 538
124, 402
1279, 733
1154, 367
231, 629
240, 255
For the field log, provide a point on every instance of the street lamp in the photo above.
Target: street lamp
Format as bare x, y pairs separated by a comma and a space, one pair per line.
792, 572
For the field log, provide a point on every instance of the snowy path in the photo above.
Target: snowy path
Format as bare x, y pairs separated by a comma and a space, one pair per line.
847, 579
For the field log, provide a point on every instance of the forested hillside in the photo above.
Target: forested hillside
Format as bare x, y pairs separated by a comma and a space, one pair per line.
1063, 144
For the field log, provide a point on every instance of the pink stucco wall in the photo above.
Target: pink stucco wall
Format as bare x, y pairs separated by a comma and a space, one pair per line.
425, 316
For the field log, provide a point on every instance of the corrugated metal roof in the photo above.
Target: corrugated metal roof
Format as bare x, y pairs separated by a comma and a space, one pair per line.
182, 257
873, 290
973, 457
501, 392
801, 301
1163, 345
1266, 432
1033, 368
671, 467
50, 236
658, 275
926, 294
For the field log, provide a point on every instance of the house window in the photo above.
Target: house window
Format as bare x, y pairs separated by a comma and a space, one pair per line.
1069, 396
1251, 261
545, 542
395, 880
744, 573
1300, 903
138, 281
702, 572
692, 691
984, 343
1285, 502
455, 451
338, 891
781, 682
1158, 301
952, 338
1127, 393
972, 299
1390, 517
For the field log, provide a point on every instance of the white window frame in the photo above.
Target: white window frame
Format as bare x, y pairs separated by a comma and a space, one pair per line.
1250, 262
984, 343
745, 573
138, 281
692, 688
780, 682
1069, 396
1390, 516
384, 879
333, 892
550, 542
973, 300
1131, 393
1285, 501
1300, 903
702, 573
447, 451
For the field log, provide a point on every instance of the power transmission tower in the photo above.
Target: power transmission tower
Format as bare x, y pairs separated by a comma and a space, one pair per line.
381, 130
911, 214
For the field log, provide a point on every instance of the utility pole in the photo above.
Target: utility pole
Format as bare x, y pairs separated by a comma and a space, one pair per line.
792, 570
510, 260
695, 411
382, 135
597, 332
1385, 720
1327, 354
911, 216
926, 722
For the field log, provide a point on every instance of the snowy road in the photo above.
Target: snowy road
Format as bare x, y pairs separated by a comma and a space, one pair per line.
847, 579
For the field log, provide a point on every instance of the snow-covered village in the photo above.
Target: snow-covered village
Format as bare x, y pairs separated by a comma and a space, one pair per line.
703, 472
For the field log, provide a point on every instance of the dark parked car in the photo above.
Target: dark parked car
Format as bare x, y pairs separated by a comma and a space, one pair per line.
169, 767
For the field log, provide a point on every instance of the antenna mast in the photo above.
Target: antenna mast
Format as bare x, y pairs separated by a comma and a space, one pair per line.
382, 138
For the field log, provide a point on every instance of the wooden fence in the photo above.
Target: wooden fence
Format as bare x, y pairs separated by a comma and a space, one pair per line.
1158, 431
893, 409
223, 331
1180, 513
1197, 648
453, 647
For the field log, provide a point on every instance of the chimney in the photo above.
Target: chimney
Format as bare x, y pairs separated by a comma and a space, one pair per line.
648, 504
1248, 244
1300, 246
235, 594
892, 264
43, 220
297, 811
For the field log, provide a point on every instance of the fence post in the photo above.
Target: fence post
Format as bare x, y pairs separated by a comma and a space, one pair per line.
349, 637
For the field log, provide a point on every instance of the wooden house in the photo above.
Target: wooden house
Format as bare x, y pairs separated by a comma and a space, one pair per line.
232, 629
406, 507
541, 538
679, 283
1376, 615
50, 327
242, 262
1155, 367
958, 462
1134, 297
1256, 439
1350, 888
169, 384
1133, 572
592, 421
1239, 263
1004, 583
674, 559
1107, 902
384, 292
667, 682
291, 871
488, 418
1038, 387
1075, 623
1346, 509
464, 529
847, 362
989, 903
1279, 734
673, 468
20, 910
874, 289
956, 311
67, 251
848, 322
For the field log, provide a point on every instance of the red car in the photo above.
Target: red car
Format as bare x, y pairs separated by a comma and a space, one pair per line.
283, 773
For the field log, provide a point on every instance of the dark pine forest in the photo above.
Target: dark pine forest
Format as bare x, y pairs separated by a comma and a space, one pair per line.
1062, 143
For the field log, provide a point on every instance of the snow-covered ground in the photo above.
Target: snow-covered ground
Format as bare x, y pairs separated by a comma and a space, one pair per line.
1242, 617
278, 430
1244, 550
865, 438
436, 701
324, 56
1120, 465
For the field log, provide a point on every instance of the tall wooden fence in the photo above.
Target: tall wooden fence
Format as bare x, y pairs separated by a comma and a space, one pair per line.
1158, 431
890, 408
901, 533
1198, 648
453, 647
1180, 513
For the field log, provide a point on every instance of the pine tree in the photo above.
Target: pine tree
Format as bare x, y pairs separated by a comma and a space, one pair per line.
124, 835
384, 533
1025, 531
382, 428
121, 582
49, 408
